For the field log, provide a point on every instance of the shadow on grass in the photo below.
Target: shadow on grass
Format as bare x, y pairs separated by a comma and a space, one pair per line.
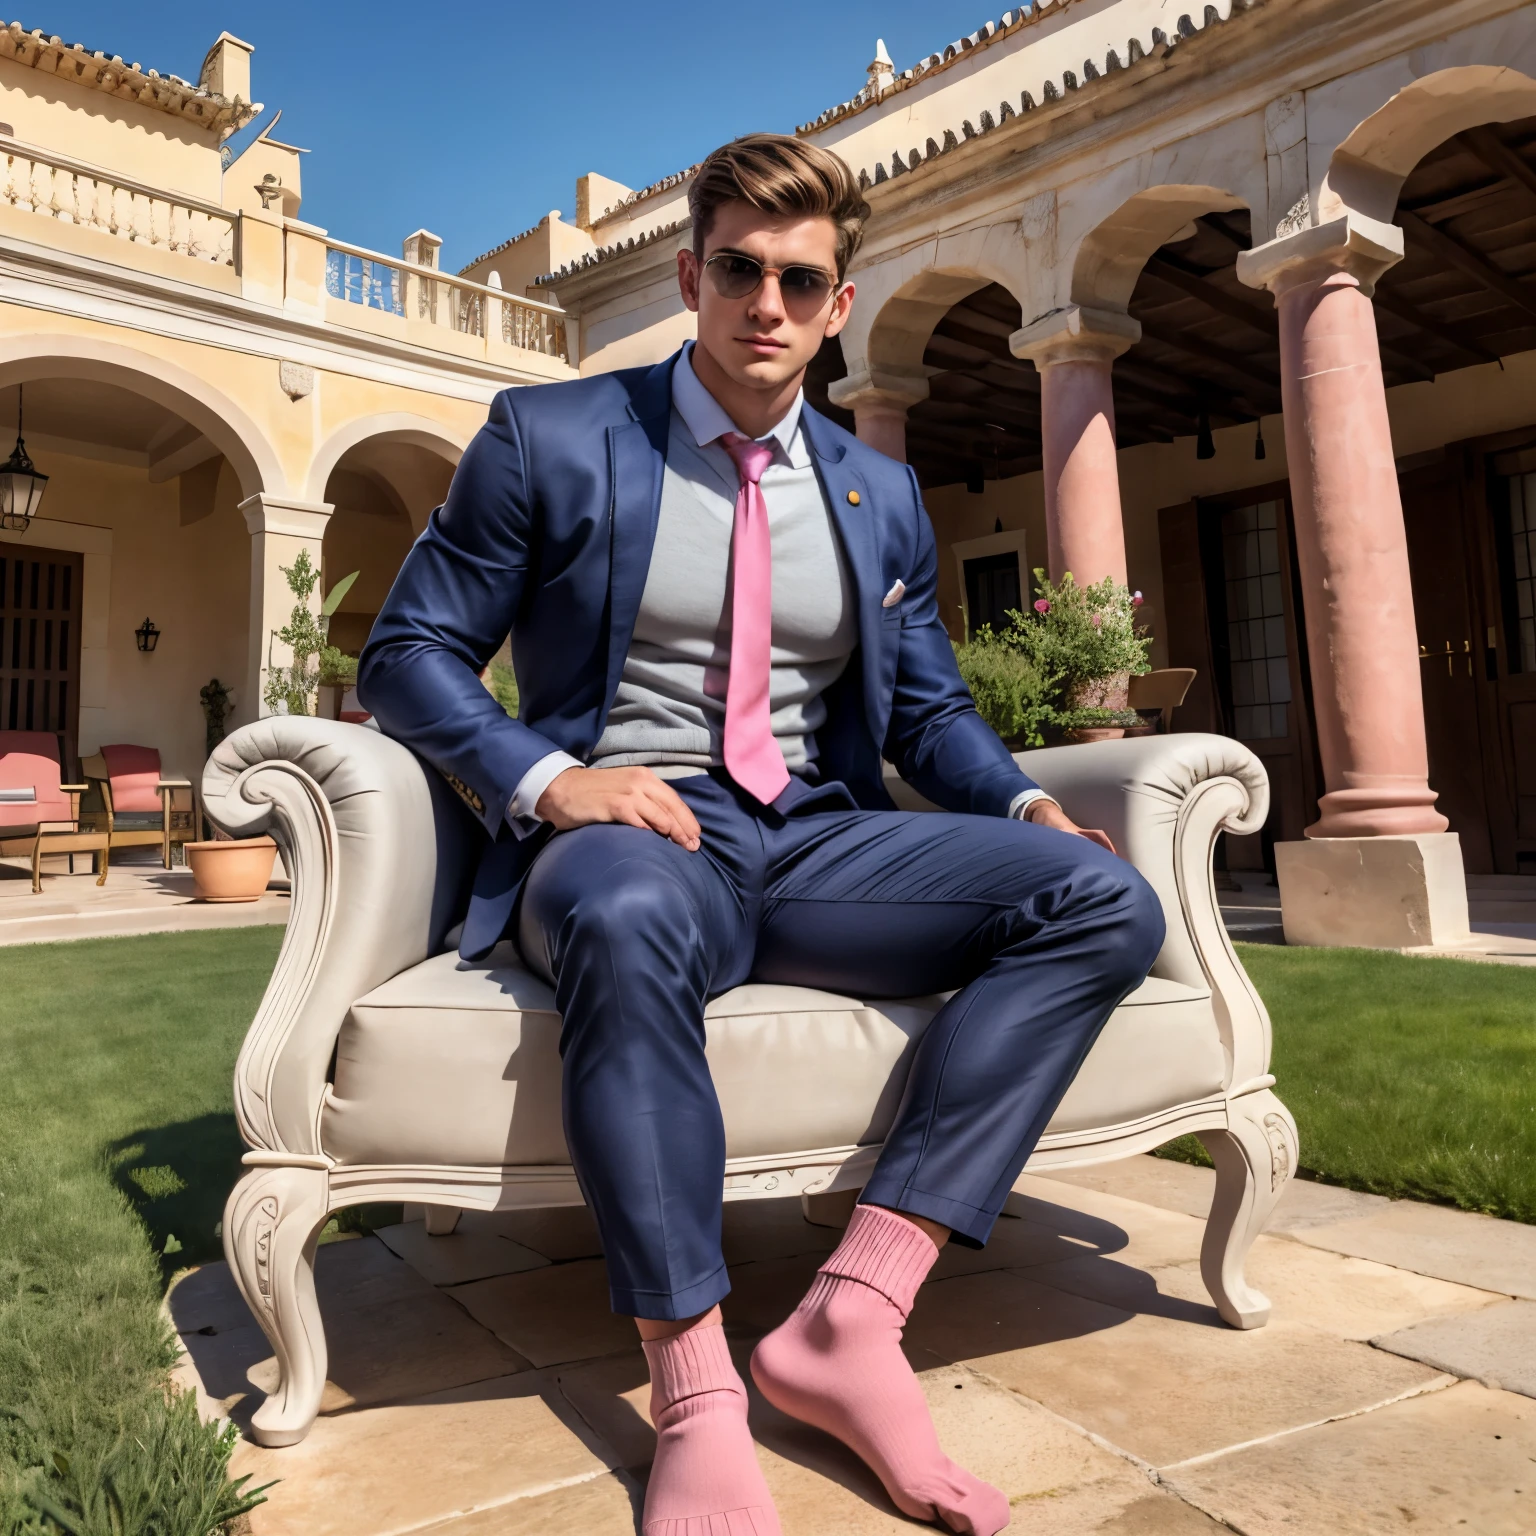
177, 1177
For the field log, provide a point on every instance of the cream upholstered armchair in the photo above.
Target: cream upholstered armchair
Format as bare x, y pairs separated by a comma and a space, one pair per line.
381, 1067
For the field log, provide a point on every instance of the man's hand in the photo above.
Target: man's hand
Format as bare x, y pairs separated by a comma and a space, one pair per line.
1046, 813
636, 796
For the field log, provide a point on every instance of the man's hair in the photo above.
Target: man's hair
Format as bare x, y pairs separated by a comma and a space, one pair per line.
780, 175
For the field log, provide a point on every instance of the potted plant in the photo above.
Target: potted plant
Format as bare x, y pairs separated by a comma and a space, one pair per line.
292, 689
1078, 647
338, 673
231, 869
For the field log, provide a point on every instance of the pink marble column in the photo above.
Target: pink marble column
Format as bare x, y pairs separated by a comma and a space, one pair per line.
883, 425
880, 401
1074, 351
1350, 542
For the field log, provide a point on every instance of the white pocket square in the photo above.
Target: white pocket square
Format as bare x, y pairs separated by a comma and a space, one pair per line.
895, 595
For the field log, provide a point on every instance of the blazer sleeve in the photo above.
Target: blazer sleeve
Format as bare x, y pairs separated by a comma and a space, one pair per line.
936, 740
446, 616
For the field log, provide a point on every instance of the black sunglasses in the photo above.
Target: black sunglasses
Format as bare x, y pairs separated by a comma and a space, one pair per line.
805, 289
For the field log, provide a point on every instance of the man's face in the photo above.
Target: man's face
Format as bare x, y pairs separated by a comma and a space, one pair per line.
765, 339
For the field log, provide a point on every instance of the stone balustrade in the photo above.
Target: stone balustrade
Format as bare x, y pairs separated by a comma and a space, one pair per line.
427, 296
56, 187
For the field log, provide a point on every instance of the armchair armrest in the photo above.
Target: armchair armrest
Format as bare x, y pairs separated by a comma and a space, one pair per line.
74, 789
1163, 800
379, 852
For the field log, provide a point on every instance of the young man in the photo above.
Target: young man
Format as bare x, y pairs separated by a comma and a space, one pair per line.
723, 614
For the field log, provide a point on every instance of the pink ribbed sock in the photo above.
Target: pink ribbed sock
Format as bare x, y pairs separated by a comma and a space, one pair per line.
837, 1363
705, 1480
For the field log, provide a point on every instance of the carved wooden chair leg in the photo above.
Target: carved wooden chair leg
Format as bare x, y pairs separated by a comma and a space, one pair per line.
1255, 1158
440, 1220
271, 1224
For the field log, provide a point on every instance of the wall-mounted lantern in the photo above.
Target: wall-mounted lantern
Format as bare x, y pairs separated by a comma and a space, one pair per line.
147, 636
21, 486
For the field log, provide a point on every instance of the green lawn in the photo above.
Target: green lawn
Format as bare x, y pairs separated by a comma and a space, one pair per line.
118, 1146
1407, 1077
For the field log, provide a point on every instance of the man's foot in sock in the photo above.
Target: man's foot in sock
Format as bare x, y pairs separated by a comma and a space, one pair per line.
705, 1480
837, 1363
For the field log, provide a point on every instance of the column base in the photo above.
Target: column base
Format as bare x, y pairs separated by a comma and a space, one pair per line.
1373, 892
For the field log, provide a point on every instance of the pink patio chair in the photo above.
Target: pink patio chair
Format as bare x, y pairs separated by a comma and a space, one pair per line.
39, 813
145, 807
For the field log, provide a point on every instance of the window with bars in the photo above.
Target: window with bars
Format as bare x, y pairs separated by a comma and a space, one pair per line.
1255, 591
39, 636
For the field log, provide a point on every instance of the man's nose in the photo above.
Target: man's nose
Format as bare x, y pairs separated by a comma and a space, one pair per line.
768, 302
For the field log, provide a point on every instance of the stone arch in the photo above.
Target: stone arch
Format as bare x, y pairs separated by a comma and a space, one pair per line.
204, 406
388, 426
1110, 257
1368, 168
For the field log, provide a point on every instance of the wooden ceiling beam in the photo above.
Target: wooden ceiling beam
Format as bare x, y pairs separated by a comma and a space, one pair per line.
1409, 312
1224, 303
1473, 263
1211, 352
1499, 157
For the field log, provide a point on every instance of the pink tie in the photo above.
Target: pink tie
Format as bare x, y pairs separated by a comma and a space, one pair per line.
752, 756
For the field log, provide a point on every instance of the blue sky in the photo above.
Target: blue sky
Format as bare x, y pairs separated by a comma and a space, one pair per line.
474, 119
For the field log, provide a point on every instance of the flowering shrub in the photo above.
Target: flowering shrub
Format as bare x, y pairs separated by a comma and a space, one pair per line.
1084, 637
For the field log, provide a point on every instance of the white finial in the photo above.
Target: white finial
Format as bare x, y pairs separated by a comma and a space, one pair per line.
882, 72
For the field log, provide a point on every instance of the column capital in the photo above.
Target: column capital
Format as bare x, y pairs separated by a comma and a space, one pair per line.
1075, 334
1363, 247
878, 387
282, 514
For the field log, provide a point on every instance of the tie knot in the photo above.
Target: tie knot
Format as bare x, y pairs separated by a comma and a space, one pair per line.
752, 458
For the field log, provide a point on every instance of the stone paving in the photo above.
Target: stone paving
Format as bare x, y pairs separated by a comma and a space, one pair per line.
140, 896
479, 1386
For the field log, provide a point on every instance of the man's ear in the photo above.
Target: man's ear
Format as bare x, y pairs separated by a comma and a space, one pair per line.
688, 279
842, 307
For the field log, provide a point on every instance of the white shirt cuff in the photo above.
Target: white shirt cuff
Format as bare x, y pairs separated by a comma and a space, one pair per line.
1021, 803
521, 815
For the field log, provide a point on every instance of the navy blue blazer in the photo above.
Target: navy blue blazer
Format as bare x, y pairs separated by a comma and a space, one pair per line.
547, 535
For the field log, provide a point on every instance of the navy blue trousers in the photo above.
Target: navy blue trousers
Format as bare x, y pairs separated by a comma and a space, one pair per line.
1043, 933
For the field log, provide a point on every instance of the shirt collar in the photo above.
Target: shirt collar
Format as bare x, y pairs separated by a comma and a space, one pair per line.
707, 419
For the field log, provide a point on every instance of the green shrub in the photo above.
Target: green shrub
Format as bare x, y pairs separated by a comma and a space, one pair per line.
1012, 695
502, 681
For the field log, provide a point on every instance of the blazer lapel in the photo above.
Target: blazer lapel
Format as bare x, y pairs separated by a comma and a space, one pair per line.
856, 527
637, 457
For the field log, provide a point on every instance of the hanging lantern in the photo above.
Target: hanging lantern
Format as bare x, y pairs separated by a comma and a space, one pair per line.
21, 486
147, 635
1258, 442
1205, 444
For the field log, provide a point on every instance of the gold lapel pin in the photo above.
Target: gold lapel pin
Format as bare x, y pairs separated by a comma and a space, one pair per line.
853, 498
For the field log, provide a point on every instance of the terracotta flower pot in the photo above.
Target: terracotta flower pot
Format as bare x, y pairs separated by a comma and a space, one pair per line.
231, 871
1084, 733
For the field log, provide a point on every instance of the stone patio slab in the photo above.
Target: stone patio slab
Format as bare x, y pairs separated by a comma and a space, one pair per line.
551, 1316
1162, 1388
468, 1253
1461, 1460
600, 1506
380, 1353
399, 1468
771, 1229
1184, 1187
1496, 1346
1126, 1505
1096, 1222
559, 1232
1436, 1240
1336, 1293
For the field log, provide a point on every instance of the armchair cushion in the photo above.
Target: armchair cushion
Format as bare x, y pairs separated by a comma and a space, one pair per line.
454, 1063
30, 760
135, 776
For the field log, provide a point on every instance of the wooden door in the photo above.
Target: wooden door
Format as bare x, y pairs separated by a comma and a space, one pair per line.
1449, 612
1233, 613
40, 643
